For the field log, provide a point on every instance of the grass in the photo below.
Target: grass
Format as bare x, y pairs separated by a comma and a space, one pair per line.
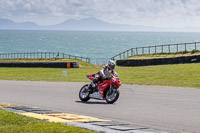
180, 75
15, 123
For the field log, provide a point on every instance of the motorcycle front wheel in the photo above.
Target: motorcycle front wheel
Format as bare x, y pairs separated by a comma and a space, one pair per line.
84, 93
112, 96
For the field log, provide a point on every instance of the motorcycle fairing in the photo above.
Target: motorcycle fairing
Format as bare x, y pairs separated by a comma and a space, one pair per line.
103, 86
91, 76
96, 95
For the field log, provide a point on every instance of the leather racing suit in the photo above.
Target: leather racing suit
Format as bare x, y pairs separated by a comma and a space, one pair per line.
103, 74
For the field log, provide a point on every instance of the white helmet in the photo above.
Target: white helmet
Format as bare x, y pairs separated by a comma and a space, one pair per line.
111, 64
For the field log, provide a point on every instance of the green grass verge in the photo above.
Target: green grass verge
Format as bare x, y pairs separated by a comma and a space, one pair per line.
180, 75
15, 123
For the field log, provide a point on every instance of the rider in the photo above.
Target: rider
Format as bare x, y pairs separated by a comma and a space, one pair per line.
104, 73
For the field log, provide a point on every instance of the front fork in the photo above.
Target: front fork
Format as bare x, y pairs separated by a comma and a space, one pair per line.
112, 89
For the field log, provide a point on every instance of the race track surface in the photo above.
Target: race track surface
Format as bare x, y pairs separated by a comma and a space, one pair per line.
164, 108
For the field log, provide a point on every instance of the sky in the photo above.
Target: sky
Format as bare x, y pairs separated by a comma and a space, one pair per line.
159, 13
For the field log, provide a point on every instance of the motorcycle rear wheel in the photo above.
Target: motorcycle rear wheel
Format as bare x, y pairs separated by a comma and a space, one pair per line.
112, 97
84, 93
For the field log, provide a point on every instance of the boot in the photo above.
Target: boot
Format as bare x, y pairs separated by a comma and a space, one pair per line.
90, 88
96, 88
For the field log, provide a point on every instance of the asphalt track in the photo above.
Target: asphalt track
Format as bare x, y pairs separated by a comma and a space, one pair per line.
165, 108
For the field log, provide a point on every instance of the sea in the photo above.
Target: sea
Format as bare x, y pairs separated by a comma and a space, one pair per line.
91, 44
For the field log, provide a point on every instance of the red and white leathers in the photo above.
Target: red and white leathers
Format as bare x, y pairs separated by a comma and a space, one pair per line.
103, 74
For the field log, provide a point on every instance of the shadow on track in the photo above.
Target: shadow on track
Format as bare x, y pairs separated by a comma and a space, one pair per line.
91, 102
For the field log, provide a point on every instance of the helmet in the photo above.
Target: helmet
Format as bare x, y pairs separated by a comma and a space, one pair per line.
111, 64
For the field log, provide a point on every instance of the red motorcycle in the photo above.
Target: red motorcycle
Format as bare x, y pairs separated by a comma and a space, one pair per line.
103, 90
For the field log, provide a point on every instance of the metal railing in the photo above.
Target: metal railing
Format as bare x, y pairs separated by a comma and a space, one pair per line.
167, 48
41, 55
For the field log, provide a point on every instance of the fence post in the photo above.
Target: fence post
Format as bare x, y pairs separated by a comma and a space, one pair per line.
58, 55
136, 51
195, 45
169, 48
155, 49
131, 51
177, 48
149, 50
185, 47
162, 48
142, 50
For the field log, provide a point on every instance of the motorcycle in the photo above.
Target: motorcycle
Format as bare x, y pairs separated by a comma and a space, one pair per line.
102, 90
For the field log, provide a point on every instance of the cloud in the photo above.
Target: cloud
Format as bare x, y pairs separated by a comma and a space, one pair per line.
163, 13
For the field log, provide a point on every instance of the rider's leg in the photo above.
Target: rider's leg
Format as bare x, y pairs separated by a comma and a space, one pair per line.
92, 85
